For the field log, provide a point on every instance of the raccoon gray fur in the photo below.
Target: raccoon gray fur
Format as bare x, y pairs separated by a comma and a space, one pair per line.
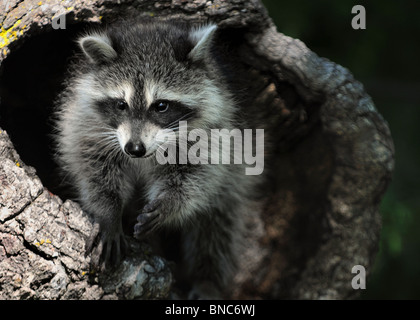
130, 81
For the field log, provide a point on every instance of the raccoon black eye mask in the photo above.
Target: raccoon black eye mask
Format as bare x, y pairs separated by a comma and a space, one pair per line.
167, 114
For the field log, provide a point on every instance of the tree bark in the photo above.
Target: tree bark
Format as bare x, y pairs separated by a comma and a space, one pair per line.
329, 161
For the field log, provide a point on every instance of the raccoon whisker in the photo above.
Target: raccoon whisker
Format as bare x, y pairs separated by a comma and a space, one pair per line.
176, 129
166, 131
174, 139
166, 138
176, 122
187, 115
108, 149
185, 140
103, 130
104, 142
109, 138
102, 135
114, 155
172, 129
160, 150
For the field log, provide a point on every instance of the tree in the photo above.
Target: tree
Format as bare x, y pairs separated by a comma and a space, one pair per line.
330, 161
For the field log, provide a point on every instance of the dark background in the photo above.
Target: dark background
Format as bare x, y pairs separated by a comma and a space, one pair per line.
385, 58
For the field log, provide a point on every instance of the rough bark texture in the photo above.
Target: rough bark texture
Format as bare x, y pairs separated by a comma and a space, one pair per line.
329, 162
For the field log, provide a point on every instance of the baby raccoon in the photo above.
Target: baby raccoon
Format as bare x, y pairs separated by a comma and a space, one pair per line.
131, 82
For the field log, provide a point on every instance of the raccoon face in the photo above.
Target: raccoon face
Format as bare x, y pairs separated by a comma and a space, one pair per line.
148, 79
141, 136
140, 128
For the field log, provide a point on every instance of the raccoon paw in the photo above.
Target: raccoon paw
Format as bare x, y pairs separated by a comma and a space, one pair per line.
106, 248
148, 220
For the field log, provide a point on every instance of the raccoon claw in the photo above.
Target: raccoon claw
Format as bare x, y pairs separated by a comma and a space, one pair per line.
147, 222
106, 250
92, 240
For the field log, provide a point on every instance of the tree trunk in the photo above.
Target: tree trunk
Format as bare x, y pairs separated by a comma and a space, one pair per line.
329, 162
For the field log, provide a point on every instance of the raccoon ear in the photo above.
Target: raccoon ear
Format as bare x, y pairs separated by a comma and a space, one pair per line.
201, 39
97, 48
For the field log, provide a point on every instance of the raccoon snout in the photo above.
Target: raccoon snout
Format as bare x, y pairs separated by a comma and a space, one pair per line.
135, 150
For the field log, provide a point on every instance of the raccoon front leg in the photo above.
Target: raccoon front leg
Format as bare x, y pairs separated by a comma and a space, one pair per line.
102, 199
210, 245
170, 202
211, 235
149, 219
210, 249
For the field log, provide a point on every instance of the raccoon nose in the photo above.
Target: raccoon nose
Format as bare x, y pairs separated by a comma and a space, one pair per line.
135, 150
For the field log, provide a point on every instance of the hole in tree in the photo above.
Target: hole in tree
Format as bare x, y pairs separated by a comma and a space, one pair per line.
30, 79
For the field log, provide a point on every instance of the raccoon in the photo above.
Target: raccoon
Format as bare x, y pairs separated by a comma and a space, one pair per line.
130, 82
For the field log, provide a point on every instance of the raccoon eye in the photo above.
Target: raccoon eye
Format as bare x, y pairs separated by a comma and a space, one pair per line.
122, 105
161, 106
